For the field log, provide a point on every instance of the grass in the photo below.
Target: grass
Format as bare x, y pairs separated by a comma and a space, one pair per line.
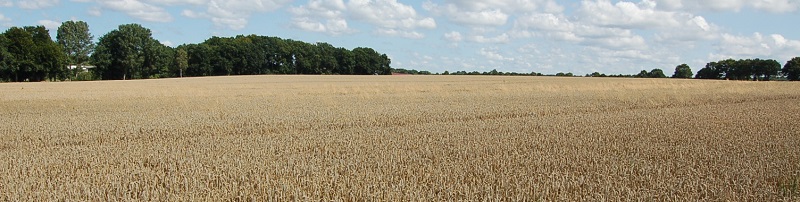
416, 138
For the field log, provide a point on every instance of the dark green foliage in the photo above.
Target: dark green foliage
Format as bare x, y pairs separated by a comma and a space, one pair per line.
29, 54
250, 55
76, 43
792, 69
682, 71
755, 69
130, 52
656, 73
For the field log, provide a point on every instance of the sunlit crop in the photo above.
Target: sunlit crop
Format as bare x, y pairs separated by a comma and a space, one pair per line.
390, 138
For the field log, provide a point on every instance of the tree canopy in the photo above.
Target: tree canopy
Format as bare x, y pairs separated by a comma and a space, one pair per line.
29, 54
76, 42
747, 69
792, 69
682, 71
131, 52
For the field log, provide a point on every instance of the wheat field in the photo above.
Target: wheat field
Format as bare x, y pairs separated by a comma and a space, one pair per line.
400, 138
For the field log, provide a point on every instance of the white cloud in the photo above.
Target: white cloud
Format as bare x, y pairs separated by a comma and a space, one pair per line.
134, 8
492, 54
389, 17
5, 21
6, 3
400, 33
777, 6
453, 36
626, 14
489, 13
773, 6
95, 11
49, 24
560, 28
757, 45
644, 15
503, 38
310, 17
167, 43
192, 14
388, 14
623, 42
35, 4
229, 14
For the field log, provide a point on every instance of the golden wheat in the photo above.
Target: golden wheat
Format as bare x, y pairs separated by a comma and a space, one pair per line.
410, 138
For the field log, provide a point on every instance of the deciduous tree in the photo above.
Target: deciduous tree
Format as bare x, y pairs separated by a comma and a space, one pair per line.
682, 71
76, 42
792, 69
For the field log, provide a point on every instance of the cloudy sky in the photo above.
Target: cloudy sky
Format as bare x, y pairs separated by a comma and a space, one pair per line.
546, 36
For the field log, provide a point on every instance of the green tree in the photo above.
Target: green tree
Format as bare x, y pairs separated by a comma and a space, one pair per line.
682, 71
792, 69
656, 73
31, 55
181, 61
765, 69
76, 42
122, 53
642, 74
6, 60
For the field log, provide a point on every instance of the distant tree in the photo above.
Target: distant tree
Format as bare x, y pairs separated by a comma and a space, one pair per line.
792, 69
596, 74
121, 54
5, 60
181, 61
656, 73
445, 73
765, 69
710, 71
682, 71
76, 42
642, 74
31, 55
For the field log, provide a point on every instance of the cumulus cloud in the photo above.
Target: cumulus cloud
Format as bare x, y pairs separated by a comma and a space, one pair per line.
321, 16
6, 3
389, 14
95, 11
390, 18
672, 25
35, 4
502, 38
133, 8
777, 6
229, 14
489, 13
492, 54
453, 36
773, 6
626, 14
5, 21
560, 28
49, 24
400, 33
757, 45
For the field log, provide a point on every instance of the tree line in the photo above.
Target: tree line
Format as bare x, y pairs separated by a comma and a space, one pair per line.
130, 52
750, 69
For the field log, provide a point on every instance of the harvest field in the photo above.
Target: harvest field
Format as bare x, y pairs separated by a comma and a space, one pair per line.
388, 138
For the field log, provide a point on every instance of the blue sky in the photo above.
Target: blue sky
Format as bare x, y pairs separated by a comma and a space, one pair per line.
549, 36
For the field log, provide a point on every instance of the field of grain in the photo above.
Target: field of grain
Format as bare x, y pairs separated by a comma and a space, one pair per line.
410, 138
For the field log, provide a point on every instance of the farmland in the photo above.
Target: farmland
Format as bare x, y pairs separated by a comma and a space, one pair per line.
417, 138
